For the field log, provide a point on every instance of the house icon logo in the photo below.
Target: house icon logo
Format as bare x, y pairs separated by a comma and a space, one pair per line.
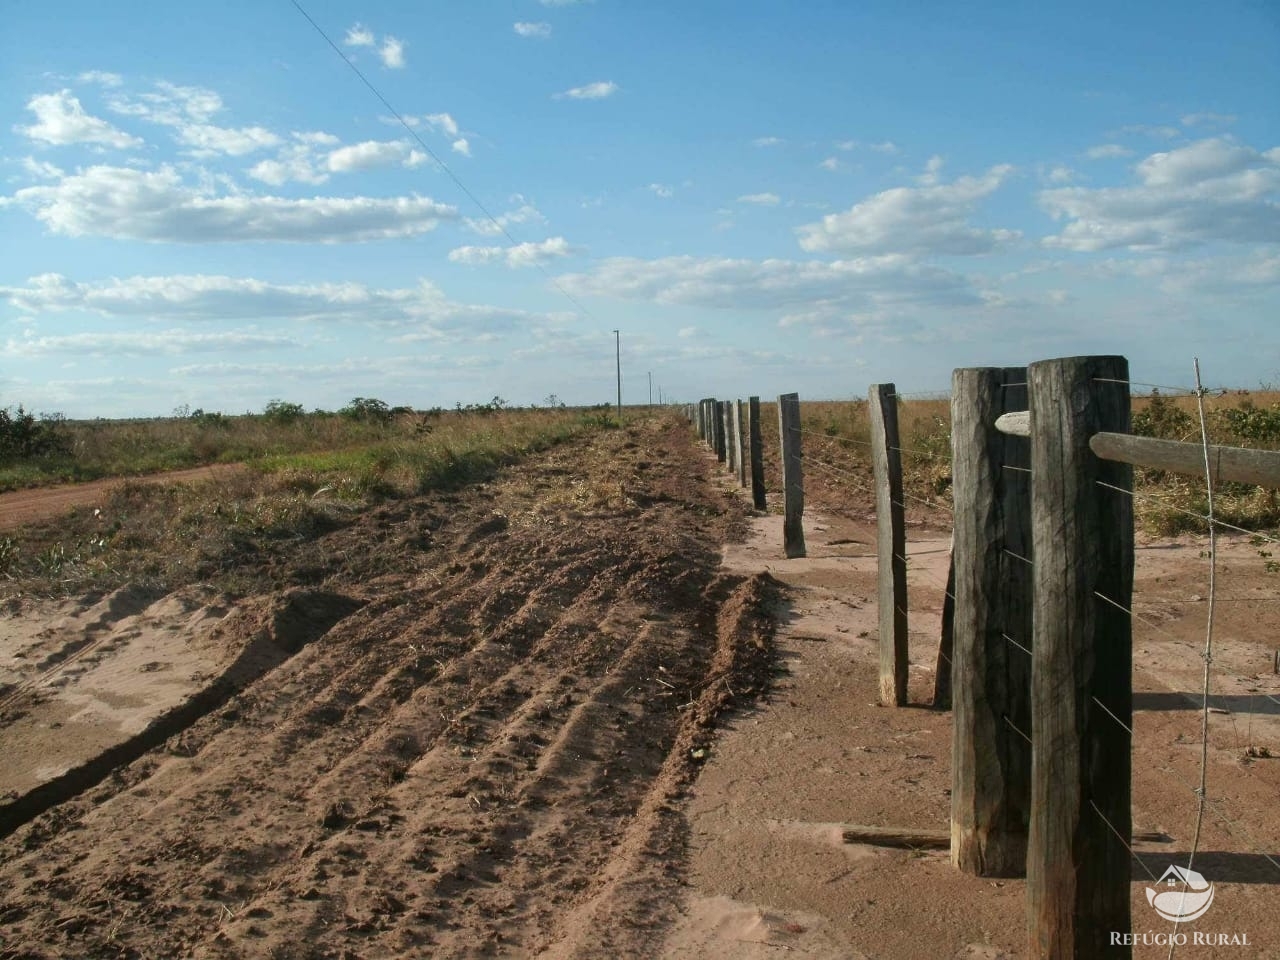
1182, 895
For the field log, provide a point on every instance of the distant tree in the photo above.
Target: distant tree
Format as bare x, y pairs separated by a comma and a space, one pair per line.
22, 435
367, 410
280, 411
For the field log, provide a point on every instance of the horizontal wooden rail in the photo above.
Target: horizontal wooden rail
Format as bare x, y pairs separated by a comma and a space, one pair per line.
1235, 464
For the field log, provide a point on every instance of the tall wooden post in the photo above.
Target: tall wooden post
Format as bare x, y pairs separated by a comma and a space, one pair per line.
991, 696
792, 475
733, 448
737, 442
718, 419
891, 543
757, 453
942, 679
1078, 863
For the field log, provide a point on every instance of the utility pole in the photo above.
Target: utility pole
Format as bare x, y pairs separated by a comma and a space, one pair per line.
617, 343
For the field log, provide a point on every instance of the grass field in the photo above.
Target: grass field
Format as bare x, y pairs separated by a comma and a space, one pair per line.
303, 475
840, 433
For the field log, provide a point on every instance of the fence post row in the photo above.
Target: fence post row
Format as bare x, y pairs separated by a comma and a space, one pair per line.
757, 453
990, 658
891, 542
792, 475
1078, 859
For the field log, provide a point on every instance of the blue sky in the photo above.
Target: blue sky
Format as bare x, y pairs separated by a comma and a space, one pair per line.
203, 205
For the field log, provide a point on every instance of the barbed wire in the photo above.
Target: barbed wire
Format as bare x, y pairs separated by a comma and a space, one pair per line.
1190, 513
1127, 845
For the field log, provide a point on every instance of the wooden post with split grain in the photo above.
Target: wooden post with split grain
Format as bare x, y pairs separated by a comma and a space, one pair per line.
734, 437
792, 475
756, 445
942, 679
739, 423
991, 692
697, 420
1078, 862
891, 542
726, 415
717, 409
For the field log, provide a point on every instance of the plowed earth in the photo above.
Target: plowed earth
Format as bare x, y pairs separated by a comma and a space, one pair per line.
480, 752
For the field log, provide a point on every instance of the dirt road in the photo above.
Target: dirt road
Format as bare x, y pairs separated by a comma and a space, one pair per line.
42, 503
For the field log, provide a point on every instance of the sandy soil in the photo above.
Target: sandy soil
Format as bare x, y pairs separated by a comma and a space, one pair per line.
548, 717
769, 870
25, 506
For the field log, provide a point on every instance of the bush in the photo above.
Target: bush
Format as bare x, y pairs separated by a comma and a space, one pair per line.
23, 436
1250, 423
1161, 418
210, 419
278, 411
367, 410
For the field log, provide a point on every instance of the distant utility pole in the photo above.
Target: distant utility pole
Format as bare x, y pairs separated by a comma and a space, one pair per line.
617, 343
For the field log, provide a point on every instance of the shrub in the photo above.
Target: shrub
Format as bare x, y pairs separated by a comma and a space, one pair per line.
367, 410
279, 411
23, 436
1161, 418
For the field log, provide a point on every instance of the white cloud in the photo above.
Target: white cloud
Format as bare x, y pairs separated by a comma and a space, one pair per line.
209, 140
662, 190
831, 163
520, 255
101, 77
851, 286
140, 343
170, 104
61, 120
684, 333
1208, 119
42, 169
462, 146
932, 169
1108, 151
846, 145
442, 123
886, 146
369, 155
918, 220
768, 141
525, 213
1060, 174
539, 30
158, 205
392, 53
212, 298
359, 36
592, 91
294, 162
1214, 189
761, 199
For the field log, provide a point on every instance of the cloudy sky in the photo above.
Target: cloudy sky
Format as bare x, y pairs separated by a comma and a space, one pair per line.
204, 204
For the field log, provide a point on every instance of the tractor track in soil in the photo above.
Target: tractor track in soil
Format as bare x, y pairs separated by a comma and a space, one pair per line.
481, 755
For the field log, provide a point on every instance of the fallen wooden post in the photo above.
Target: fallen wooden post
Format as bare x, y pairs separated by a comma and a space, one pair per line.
908, 837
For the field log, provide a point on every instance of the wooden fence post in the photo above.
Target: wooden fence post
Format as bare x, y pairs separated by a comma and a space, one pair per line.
737, 442
757, 453
733, 449
942, 679
709, 423
991, 694
717, 407
1078, 862
702, 420
792, 475
891, 543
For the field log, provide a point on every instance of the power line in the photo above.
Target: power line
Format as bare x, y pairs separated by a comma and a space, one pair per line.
434, 156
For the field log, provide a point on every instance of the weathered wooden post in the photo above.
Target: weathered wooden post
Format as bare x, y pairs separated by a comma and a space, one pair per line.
792, 475
1078, 860
737, 442
732, 439
718, 421
891, 543
991, 679
708, 424
946, 641
757, 453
